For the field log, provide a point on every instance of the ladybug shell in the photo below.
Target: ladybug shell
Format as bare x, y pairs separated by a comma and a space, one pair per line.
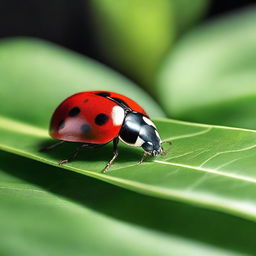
91, 117
122, 99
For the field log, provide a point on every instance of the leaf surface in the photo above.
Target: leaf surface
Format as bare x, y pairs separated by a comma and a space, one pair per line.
45, 211
209, 166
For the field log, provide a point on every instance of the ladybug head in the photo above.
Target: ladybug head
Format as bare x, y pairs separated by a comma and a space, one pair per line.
153, 150
152, 144
139, 131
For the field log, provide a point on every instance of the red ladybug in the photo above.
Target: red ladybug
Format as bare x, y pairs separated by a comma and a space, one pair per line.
98, 117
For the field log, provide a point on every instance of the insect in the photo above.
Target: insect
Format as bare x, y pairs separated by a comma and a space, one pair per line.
97, 117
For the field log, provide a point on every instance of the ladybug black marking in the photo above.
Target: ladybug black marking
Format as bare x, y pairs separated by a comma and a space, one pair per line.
120, 102
131, 128
85, 128
103, 94
74, 112
61, 124
101, 119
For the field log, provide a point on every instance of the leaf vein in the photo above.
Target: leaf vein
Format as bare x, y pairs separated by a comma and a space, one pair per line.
211, 171
227, 152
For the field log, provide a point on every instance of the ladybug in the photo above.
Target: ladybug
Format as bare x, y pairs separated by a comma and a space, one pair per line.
95, 118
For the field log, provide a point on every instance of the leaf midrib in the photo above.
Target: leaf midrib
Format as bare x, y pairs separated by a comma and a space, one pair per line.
147, 189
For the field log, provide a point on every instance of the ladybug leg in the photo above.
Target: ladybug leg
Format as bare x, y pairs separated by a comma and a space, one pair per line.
72, 157
164, 152
75, 154
143, 157
48, 148
115, 151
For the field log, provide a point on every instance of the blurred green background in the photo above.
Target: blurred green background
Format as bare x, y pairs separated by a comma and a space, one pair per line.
196, 60
180, 59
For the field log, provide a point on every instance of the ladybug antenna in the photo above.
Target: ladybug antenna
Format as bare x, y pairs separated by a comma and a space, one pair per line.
164, 152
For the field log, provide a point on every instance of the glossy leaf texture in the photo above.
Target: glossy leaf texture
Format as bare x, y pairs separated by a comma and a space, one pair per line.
210, 75
35, 76
134, 35
207, 166
45, 211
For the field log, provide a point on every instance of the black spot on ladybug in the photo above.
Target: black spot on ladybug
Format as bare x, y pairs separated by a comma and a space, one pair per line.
120, 101
101, 119
85, 128
86, 100
103, 94
74, 112
61, 124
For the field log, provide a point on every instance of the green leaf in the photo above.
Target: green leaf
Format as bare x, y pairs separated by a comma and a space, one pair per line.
208, 166
45, 211
35, 76
210, 76
134, 36
187, 13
